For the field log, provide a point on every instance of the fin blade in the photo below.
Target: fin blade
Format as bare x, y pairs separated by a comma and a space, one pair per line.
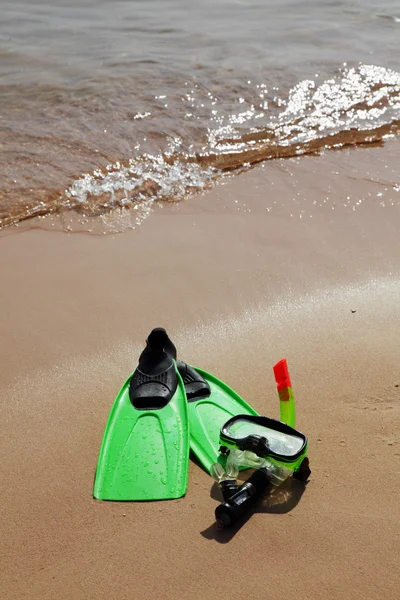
144, 454
208, 415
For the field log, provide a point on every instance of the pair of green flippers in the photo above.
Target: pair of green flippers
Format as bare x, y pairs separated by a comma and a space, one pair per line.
163, 409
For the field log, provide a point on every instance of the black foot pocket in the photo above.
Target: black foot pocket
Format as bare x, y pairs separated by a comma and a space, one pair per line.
154, 382
196, 386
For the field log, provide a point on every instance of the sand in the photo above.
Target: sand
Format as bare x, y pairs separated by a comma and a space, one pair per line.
239, 283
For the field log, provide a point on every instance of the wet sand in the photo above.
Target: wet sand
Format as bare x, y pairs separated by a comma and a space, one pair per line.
239, 283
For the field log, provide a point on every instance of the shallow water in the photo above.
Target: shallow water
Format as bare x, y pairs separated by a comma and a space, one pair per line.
112, 104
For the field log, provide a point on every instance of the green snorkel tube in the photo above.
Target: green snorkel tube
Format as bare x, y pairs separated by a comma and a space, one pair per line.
274, 448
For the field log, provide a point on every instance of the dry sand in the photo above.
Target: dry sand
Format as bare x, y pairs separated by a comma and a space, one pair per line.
238, 287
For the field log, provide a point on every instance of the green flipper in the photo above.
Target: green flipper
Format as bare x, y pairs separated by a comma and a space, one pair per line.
210, 404
145, 450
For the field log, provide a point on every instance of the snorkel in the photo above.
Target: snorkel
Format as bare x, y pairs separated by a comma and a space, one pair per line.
274, 448
285, 393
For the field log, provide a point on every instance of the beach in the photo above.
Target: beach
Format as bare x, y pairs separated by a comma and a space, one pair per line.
228, 171
240, 277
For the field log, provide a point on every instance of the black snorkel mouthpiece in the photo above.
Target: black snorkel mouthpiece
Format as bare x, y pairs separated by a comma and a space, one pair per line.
240, 502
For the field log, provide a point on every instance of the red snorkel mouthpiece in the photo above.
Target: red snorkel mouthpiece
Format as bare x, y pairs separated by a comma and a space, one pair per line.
282, 376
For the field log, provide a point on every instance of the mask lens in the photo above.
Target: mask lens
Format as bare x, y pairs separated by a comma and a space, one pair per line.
280, 443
